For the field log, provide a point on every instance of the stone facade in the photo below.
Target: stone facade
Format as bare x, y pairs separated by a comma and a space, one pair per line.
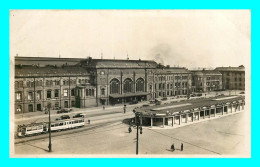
66, 83
206, 80
233, 77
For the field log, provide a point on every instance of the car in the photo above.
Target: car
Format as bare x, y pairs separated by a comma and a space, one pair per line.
78, 115
146, 105
164, 98
152, 102
64, 110
242, 93
158, 102
65, 117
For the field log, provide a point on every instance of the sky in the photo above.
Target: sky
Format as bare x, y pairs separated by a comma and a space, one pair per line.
189, 38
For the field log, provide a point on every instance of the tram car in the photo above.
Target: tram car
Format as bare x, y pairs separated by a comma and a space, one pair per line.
67, 124
32, 129
41, 128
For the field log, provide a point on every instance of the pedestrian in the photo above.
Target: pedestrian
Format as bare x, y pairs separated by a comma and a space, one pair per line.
172, 148
129, 130
103, 107
181, 146
88, 121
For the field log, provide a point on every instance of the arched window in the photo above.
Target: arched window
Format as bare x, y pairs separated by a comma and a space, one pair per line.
114, 86
128, 85
140, 85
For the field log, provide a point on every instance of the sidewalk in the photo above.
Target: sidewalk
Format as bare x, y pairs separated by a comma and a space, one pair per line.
89, 111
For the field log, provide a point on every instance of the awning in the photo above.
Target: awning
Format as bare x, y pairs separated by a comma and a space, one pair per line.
129, 95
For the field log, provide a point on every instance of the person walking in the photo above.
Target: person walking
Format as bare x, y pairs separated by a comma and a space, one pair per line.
181, 146
103, 107
172, 147
129, 130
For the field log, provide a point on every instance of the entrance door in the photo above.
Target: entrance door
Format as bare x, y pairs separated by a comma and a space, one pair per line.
39, 107
30, 108
66, 104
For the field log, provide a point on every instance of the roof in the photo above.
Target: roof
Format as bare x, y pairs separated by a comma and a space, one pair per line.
240, 68
177, 70
206, 72
43, 61
33, 71
119, 63
186, 105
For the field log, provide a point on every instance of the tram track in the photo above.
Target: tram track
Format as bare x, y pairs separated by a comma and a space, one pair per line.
87, 127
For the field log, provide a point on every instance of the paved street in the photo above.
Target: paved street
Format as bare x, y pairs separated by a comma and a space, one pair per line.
218, 137
108, 134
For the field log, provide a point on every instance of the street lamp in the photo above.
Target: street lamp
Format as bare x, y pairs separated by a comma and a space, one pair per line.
138, 127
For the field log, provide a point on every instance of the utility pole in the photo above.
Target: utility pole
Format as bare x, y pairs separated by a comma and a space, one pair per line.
138, 126
137, 138
49, 107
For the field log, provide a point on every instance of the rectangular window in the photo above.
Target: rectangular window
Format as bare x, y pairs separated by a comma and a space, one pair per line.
65, 93
93, 92
30, 95
72, 92
103, 91
57, 82
56, 105
20, 84
19, 96
19, 108
38, 95
56, 93
49, 94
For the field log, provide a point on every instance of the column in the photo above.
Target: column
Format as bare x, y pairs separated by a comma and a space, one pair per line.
209, 112
141, 120
151, 122
172, 121
243, 105
192, 119
186, 118
231, 107
163, 121
215, 111
199, 116
203, 114
180, 120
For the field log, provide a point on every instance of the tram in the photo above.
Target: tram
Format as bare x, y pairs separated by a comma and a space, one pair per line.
42, 127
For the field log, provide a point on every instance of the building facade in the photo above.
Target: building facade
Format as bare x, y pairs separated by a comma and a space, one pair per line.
233, 78
67, 82
206, 80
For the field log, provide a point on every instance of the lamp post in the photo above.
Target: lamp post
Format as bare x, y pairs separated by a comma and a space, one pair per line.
138, 126
49, 106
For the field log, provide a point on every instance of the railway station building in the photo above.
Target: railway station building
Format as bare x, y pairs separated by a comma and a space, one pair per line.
81, 83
